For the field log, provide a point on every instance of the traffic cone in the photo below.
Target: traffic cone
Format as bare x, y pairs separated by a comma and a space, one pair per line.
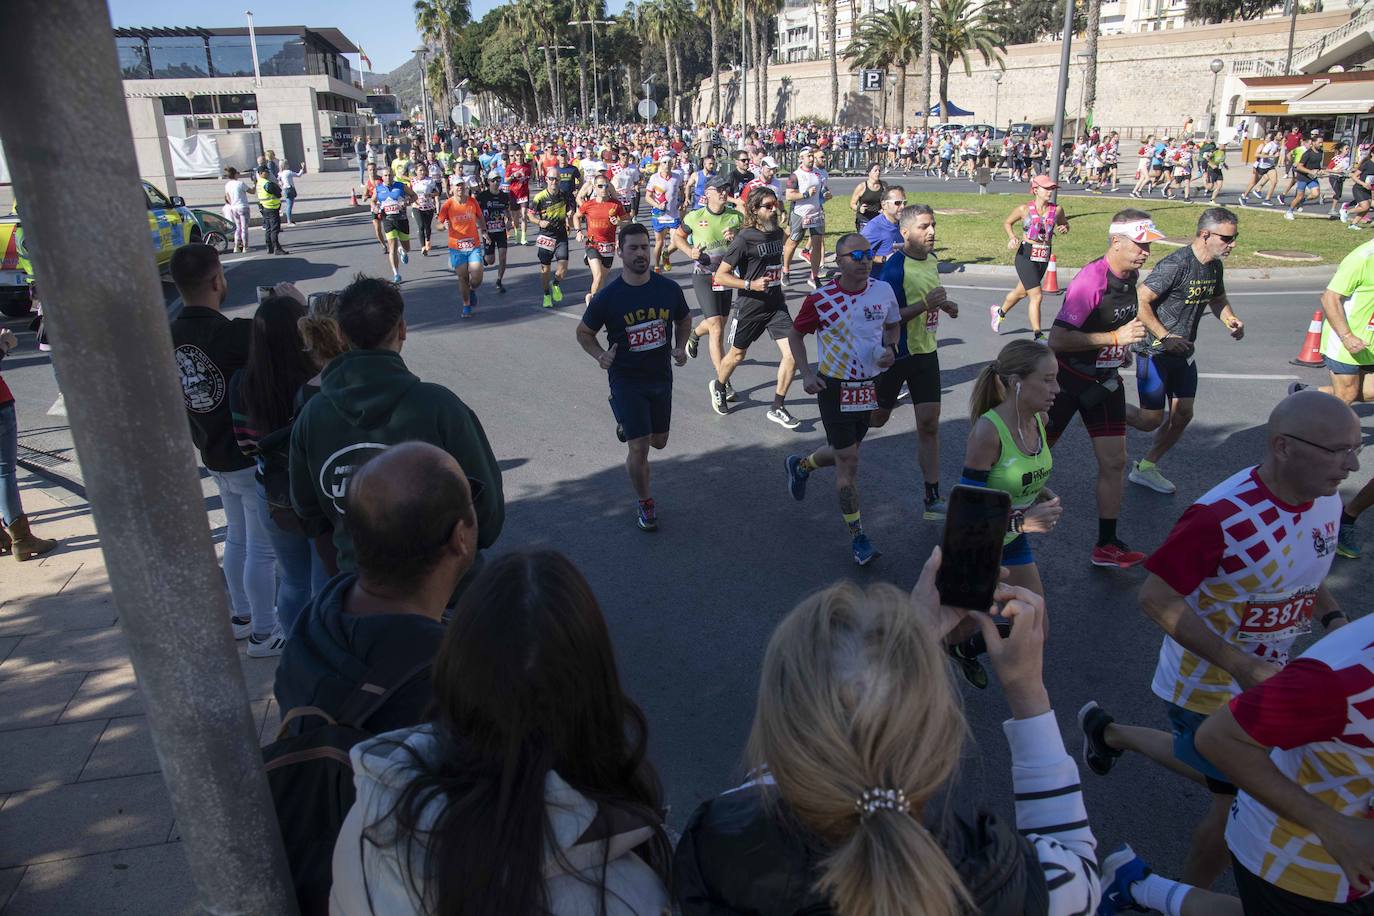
1050, 286
353, 197
1311, 353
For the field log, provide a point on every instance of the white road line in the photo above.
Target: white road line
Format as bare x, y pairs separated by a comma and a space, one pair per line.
1229, 292
1248, 378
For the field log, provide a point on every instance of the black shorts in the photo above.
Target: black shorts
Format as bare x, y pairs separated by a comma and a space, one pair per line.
745, 329
1337, 186
843, 428
1260, 172
715, 303
1213, 174
642, 408
1260, 898
920, 372
1161, 376
1030, 273
1358, 194
495, 240
559, 251
590, 254
1104, 413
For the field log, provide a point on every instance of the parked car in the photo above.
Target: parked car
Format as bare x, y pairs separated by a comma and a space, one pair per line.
215, 230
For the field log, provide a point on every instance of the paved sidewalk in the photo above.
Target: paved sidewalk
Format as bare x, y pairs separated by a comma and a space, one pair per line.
86, 824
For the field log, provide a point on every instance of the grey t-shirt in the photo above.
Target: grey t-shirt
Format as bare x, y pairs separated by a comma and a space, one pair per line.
1185, 287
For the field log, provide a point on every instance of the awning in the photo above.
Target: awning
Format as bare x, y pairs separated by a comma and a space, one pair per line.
1265, 108
1335, 98
954, 111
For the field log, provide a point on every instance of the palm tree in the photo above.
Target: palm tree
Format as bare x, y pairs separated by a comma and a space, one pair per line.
1090, 71
888, 39
769, 10
926, 44
659, 28
834, 65
585, 10
958, 29
521, 21
714, 10
438, 22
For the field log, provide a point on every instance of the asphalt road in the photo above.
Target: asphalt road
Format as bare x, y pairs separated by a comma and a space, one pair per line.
691, 607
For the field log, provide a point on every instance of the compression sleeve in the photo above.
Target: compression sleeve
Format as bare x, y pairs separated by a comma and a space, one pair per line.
972, 477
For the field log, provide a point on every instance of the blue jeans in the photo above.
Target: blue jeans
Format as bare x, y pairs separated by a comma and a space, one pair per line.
10, 509
362, 168
299, 571
287, 204
249, 565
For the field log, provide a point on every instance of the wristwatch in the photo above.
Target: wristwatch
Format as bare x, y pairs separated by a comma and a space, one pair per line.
1017, 521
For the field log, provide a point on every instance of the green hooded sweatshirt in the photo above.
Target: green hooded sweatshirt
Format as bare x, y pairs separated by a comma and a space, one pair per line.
368, 401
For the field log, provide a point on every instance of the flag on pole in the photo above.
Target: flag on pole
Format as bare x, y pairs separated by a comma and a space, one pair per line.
362, 55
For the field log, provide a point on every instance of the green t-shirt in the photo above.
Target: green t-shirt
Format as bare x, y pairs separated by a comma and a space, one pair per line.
919, 279
1354, 281
707, 230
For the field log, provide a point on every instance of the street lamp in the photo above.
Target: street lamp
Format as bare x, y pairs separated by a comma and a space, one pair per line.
996, 99
422, 52
1082, 87
1215, 66
596, 103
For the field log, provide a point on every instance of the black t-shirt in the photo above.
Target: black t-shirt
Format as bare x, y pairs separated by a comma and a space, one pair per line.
1097, 301
1366, 170
639, 320
495, 205
738, 178
1185, 286
1312, 160
755, 253
569, 179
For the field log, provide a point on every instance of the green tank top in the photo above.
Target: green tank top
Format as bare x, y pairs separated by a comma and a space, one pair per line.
1021, 475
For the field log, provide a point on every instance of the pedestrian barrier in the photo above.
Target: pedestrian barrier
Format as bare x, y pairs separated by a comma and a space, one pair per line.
1310, 355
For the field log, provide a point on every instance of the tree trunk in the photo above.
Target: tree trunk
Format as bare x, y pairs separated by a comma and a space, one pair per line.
715, 62
925, 63
834, 65
767, 38
901, 98
758, 68
1090, 71
553, 86
534, 84
684, 99
944, 91
558, 74
668, 73
582, 72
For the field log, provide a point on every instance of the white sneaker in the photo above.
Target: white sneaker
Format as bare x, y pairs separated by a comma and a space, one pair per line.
268, 646
1150, 479
1288, 214
242, 627
780, 416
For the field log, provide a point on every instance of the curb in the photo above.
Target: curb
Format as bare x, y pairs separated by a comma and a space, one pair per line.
47, 473
310, 217
998, 272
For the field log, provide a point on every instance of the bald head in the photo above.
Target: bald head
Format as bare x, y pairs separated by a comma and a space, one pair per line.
404, 505
1310, 413
1313, 443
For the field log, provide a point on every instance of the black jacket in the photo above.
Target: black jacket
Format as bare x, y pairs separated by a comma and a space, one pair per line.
740, 856
209, 349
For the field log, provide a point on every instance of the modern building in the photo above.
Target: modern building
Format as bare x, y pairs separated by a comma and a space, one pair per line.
292, 84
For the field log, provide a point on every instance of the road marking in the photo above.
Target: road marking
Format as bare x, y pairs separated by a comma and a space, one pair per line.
1248, 378
1229, 292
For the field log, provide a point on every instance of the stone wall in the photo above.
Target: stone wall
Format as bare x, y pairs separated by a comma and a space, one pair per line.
1145, 82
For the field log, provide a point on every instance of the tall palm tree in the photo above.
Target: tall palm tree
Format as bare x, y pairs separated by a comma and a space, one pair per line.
438, 22
770, 10
926, 49
714, 11
834, 65
888, 39
584, 10
521, 20
959, 28
1090, 74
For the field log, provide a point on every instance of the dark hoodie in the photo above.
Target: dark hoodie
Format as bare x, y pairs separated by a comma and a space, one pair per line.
330, 652
368, 401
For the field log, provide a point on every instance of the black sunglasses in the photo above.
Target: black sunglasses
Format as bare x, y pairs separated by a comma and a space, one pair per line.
1228, 239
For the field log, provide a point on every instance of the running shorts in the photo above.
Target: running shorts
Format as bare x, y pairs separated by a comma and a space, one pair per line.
396, 227
1336, 367
590, 253
1337, 186
1308, 184
1017, 552
1358, 194
551, 248
642, 408
495, 240
1161, 376
473, 258
921, 374
715, 303
1030, 273
1101, 404
843, 428
377, 216
797, 231
1184, 723
1213, 174
1259, 896
662, 221
1261, 171
745, 329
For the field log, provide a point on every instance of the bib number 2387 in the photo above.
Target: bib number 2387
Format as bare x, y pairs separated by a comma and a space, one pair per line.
649, 335
858, 396
1276, 617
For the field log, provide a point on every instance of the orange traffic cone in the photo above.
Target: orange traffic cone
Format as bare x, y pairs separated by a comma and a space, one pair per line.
1311, 353
1050, 286
353, 197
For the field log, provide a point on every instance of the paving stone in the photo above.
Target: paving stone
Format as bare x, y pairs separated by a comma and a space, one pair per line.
56, 613
48, 755
113, 692
29, 701
125, 748
271, 722
76, 650
7, 644
9, 880
131, 882
60, 822
259, 674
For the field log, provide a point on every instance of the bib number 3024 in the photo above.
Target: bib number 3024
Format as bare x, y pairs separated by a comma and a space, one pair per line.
858, 396
1270, 618
649, 335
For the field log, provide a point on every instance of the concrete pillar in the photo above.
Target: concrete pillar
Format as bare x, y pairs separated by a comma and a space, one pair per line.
150, 143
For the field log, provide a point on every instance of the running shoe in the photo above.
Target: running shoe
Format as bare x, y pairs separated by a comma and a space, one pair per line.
500, 287
969, 665
1348, 542
557, 292
1098, 755
467, 311
1267, 202
396, 278
405, 256
548, 301
780, 416
812, 282
995, 311
693, 345
1288, 214
266, 646
1120, 870
864, 551
242, 627
1355, 226
646, 516
1151, 479
1295, 387
1116, 555
1345, 214
796, 477
935, 510
1244, 202
730, 394
717, 397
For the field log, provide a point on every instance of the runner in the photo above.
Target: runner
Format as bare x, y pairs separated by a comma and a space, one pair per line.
625, 176
703, 237
884, 231
393, 198
598, 219
550, 211
462, 216
518, 175
914, 275
664, 191
807, 190
639, 312
1265, 171
1360, 190
370, 195
765, 177
856, 322
1091, 337
1348, 328
496, 208
1337, 171
1039, 218
739, 178
700, 180
1238, 580
427, 191
1308, 169
756, 256
1171, 302
867, 199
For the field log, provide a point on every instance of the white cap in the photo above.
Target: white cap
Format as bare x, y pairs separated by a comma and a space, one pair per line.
769, 161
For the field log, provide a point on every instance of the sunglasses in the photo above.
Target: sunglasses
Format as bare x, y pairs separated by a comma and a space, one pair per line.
772, 206
1228, 239
862, 254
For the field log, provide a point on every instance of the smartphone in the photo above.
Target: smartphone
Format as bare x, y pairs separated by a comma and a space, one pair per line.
313, 300
972, 551
263, 293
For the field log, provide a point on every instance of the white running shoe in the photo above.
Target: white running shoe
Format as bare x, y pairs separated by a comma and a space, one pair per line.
995, 311
267, 646
1151, 479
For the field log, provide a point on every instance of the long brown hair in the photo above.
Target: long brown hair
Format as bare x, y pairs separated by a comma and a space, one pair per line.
751, 205
855, 694
1019, 357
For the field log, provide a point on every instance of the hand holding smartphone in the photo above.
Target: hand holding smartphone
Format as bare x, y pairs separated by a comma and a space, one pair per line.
971, 564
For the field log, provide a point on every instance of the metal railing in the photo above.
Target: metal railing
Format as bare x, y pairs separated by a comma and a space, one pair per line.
1310, 52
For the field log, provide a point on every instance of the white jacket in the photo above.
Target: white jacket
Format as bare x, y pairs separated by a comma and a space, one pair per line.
381, 770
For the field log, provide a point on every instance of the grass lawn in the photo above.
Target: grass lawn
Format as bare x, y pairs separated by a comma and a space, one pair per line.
969, 229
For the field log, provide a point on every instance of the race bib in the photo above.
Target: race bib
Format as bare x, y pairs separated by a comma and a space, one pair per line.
466, 245
1272, 618
1111, 357
647, 336
773, 275
546, 242
605, 249
1039, 253
932, 320
812, 220
858, 396
391, 207
496, 225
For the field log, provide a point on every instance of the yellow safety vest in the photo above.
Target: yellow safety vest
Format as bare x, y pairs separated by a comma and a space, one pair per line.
267, 199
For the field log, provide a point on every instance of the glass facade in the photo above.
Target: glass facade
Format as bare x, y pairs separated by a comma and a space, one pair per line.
280, 55
231, 55
133, 59
191, 56
179, 57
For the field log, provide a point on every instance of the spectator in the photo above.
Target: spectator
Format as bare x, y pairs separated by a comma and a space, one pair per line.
15, 536
529, 792
856, 731
360, 149
369, 400
287, 177
210, 348
236, 207
413, 526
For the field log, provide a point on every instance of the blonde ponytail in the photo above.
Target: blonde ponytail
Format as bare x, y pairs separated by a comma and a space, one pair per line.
988, 392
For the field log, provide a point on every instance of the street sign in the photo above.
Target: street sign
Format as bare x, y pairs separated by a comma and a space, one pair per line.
871, 80
647, 108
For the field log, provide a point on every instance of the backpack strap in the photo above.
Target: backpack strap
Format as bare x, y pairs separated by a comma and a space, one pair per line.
300, 712
377, 686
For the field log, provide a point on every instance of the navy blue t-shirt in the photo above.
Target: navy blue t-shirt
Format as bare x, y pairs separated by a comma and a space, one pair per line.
638, 320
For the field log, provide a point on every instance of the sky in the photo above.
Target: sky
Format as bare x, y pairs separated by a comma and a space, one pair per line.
385, 29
